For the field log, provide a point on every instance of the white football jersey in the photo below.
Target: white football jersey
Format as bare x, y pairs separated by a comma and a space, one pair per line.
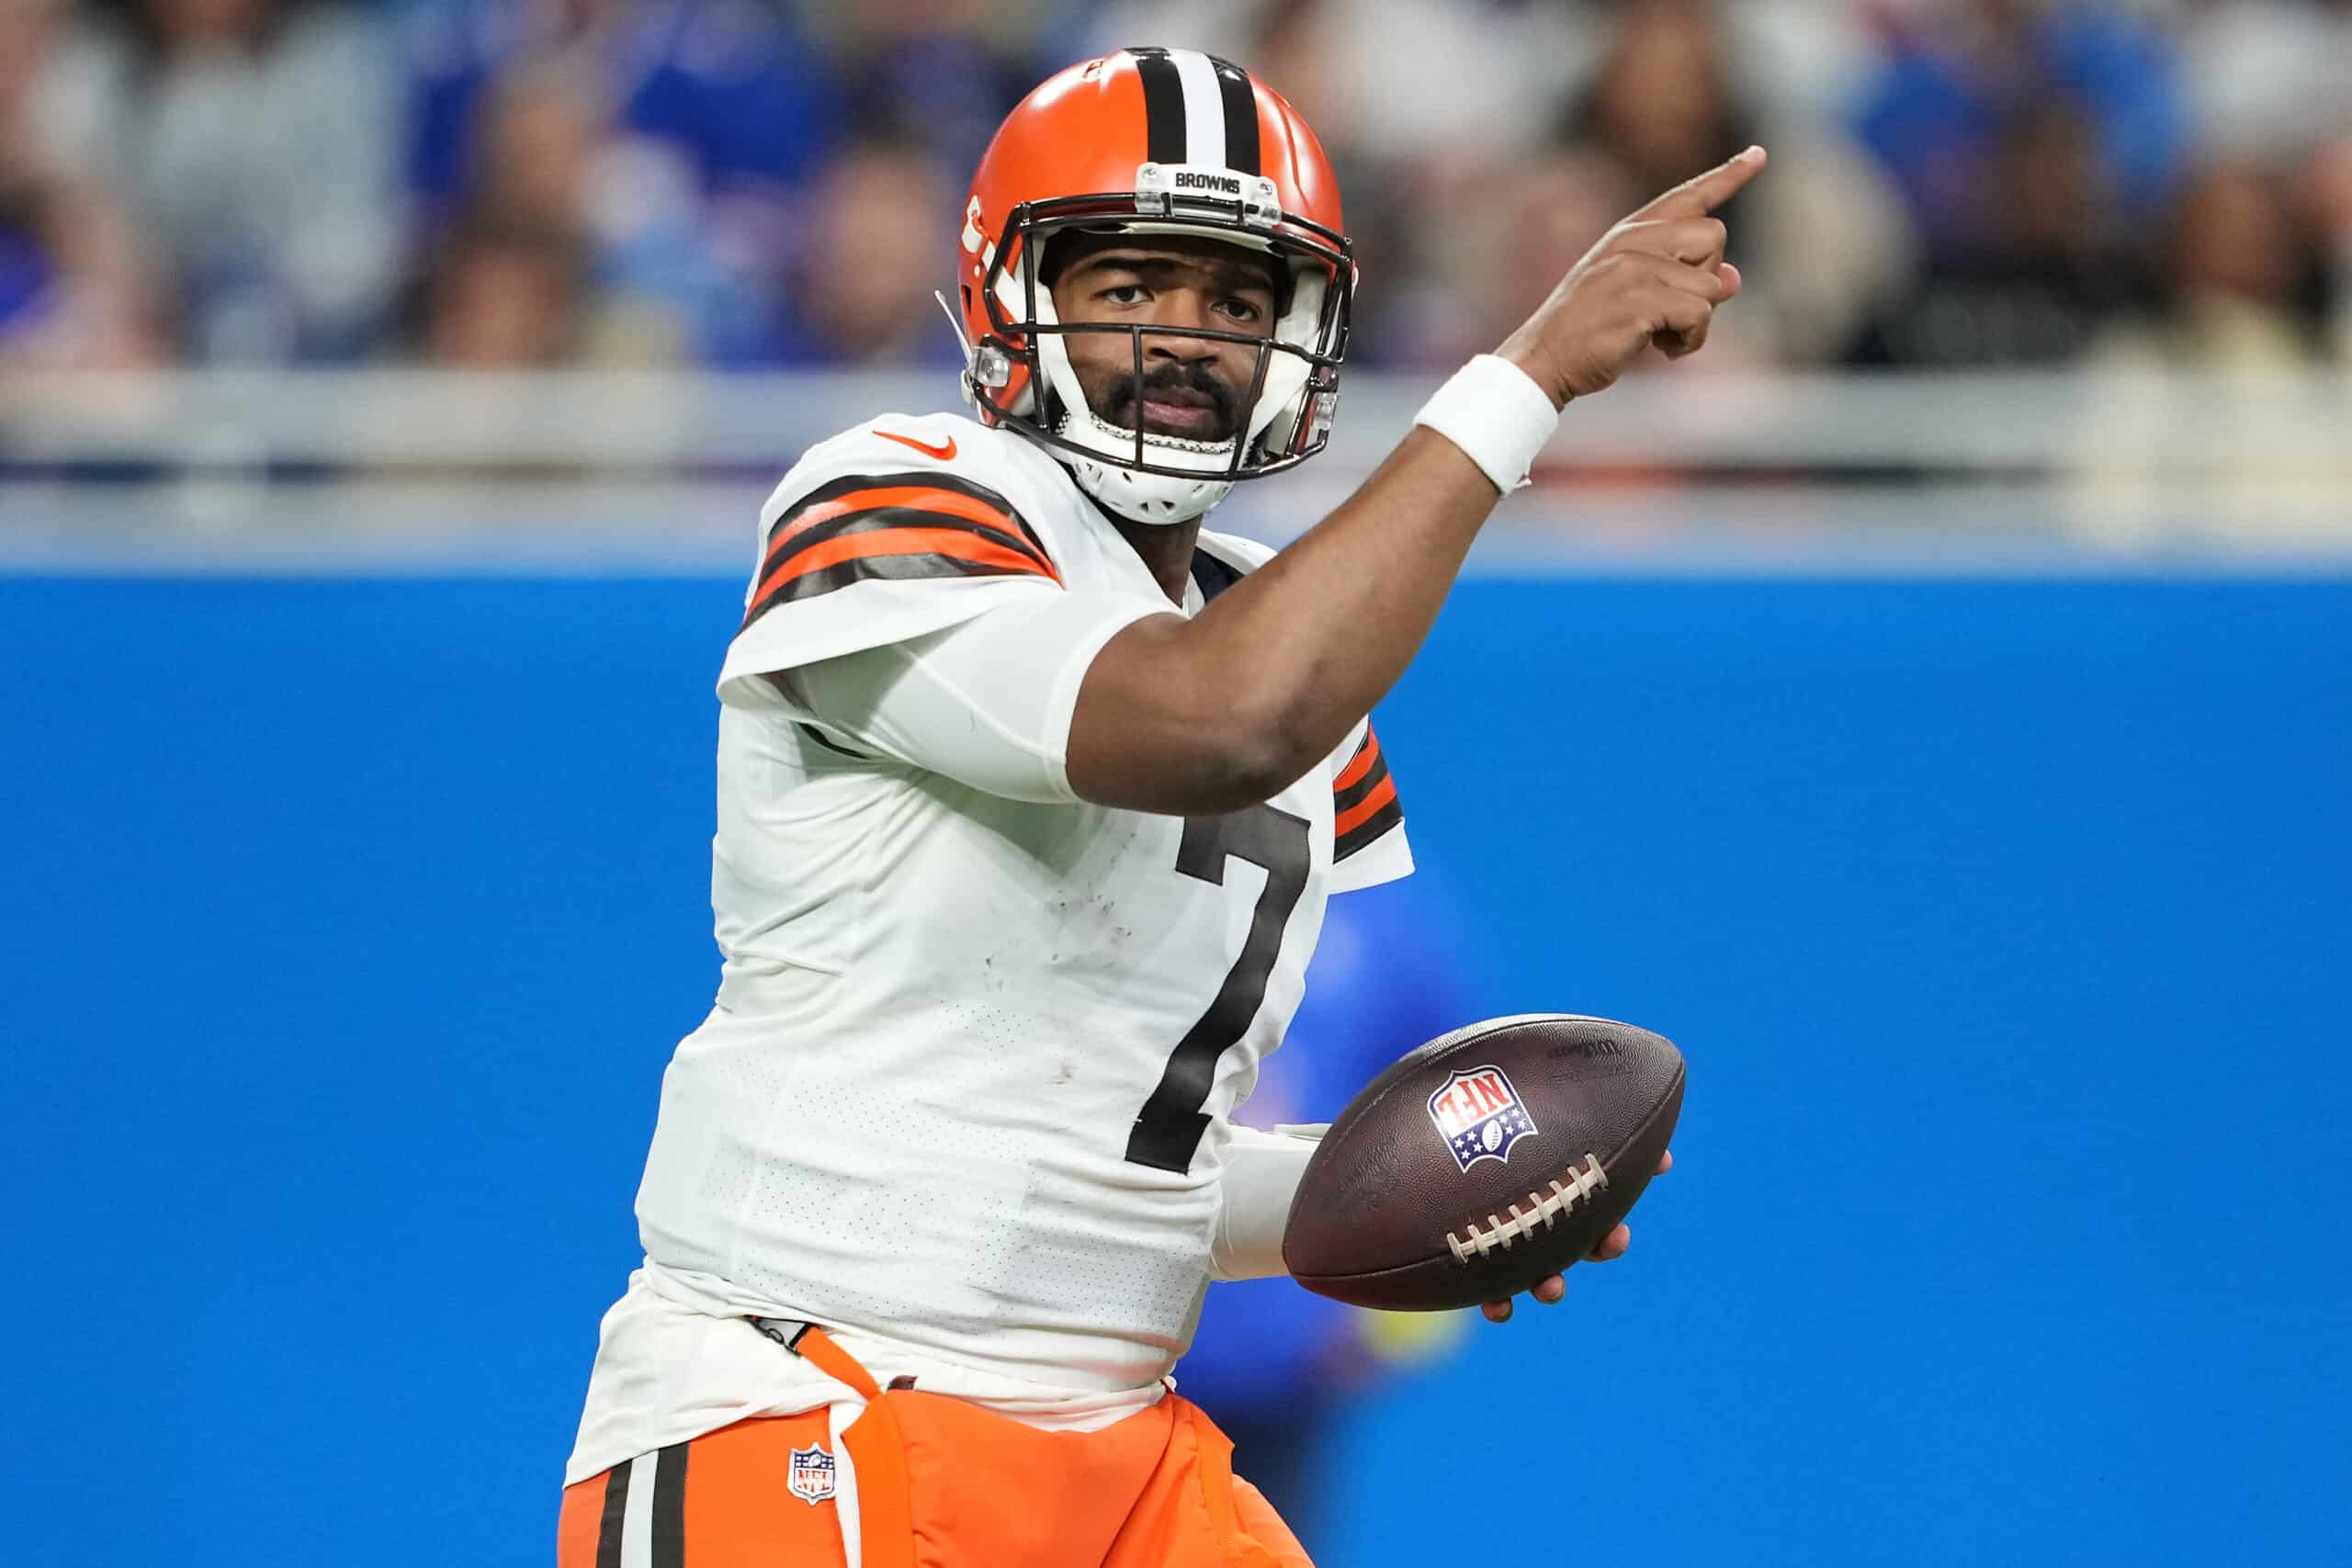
968, 1084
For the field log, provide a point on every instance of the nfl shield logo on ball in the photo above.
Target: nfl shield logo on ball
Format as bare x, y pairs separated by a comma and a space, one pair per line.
812, 1475
1478, 1113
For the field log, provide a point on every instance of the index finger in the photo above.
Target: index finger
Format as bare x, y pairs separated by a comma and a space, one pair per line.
1697, 196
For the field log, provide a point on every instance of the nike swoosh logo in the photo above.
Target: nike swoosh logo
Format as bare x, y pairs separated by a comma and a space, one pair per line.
943, 453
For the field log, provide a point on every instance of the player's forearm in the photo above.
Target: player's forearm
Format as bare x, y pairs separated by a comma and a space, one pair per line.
1229, 709
1310, 641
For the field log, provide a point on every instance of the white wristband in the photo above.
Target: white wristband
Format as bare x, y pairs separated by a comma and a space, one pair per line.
1497, 415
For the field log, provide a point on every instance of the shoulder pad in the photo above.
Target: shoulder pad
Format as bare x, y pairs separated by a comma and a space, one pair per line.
899, 442
899, 447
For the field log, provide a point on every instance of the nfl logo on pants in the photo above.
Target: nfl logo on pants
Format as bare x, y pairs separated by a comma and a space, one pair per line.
812, 1475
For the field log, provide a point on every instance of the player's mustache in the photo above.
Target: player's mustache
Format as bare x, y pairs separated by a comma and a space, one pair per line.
1189, 382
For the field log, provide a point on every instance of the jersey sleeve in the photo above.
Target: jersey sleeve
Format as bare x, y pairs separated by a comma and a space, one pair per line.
1368, 843
857, 551
986, 702
1260, 1177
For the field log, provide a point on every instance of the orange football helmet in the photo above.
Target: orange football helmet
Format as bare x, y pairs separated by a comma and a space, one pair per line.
1154, 141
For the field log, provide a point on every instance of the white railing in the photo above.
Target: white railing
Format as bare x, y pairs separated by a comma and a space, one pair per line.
658, 466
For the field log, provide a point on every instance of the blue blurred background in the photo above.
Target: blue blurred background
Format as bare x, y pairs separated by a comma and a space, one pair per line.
2004, 921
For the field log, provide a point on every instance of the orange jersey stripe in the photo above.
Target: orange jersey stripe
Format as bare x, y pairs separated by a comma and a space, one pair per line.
1363, 810
1361, 764
910, 541
907, 542
923, 499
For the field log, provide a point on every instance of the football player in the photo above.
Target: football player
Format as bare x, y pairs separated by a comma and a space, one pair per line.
1029, 794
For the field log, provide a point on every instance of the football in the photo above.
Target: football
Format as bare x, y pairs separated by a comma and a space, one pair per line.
1483, 1161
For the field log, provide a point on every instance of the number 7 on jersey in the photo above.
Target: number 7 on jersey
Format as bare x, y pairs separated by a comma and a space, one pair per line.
1168, 1129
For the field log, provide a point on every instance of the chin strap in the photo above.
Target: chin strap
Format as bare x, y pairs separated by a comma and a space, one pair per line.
954, 324
983, 367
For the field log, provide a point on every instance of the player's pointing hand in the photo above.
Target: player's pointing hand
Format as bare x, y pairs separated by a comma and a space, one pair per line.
1552, 1287
1654, 279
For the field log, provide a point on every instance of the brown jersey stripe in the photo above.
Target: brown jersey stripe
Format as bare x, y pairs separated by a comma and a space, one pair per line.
835, 489
940, 504
934, 479
1346, 800
961, 545
872, 568
795, 553
1363, 811
1364, 799
1361, 764
903, 539
1386, 813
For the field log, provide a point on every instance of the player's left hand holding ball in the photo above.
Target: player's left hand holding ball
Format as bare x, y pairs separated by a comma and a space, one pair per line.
1550, 1289
1485, 1164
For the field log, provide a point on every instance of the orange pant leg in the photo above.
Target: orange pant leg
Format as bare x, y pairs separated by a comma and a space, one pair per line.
1259, 1521
1198, 1514
962, 1487
730, 1502
576, 1528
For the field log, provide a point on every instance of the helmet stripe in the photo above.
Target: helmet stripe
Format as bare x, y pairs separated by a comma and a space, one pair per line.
1198, 109
1163, 106
1204, 109
1240, 116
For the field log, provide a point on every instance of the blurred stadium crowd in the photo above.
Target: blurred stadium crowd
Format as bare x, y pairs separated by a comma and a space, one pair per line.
744, 183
